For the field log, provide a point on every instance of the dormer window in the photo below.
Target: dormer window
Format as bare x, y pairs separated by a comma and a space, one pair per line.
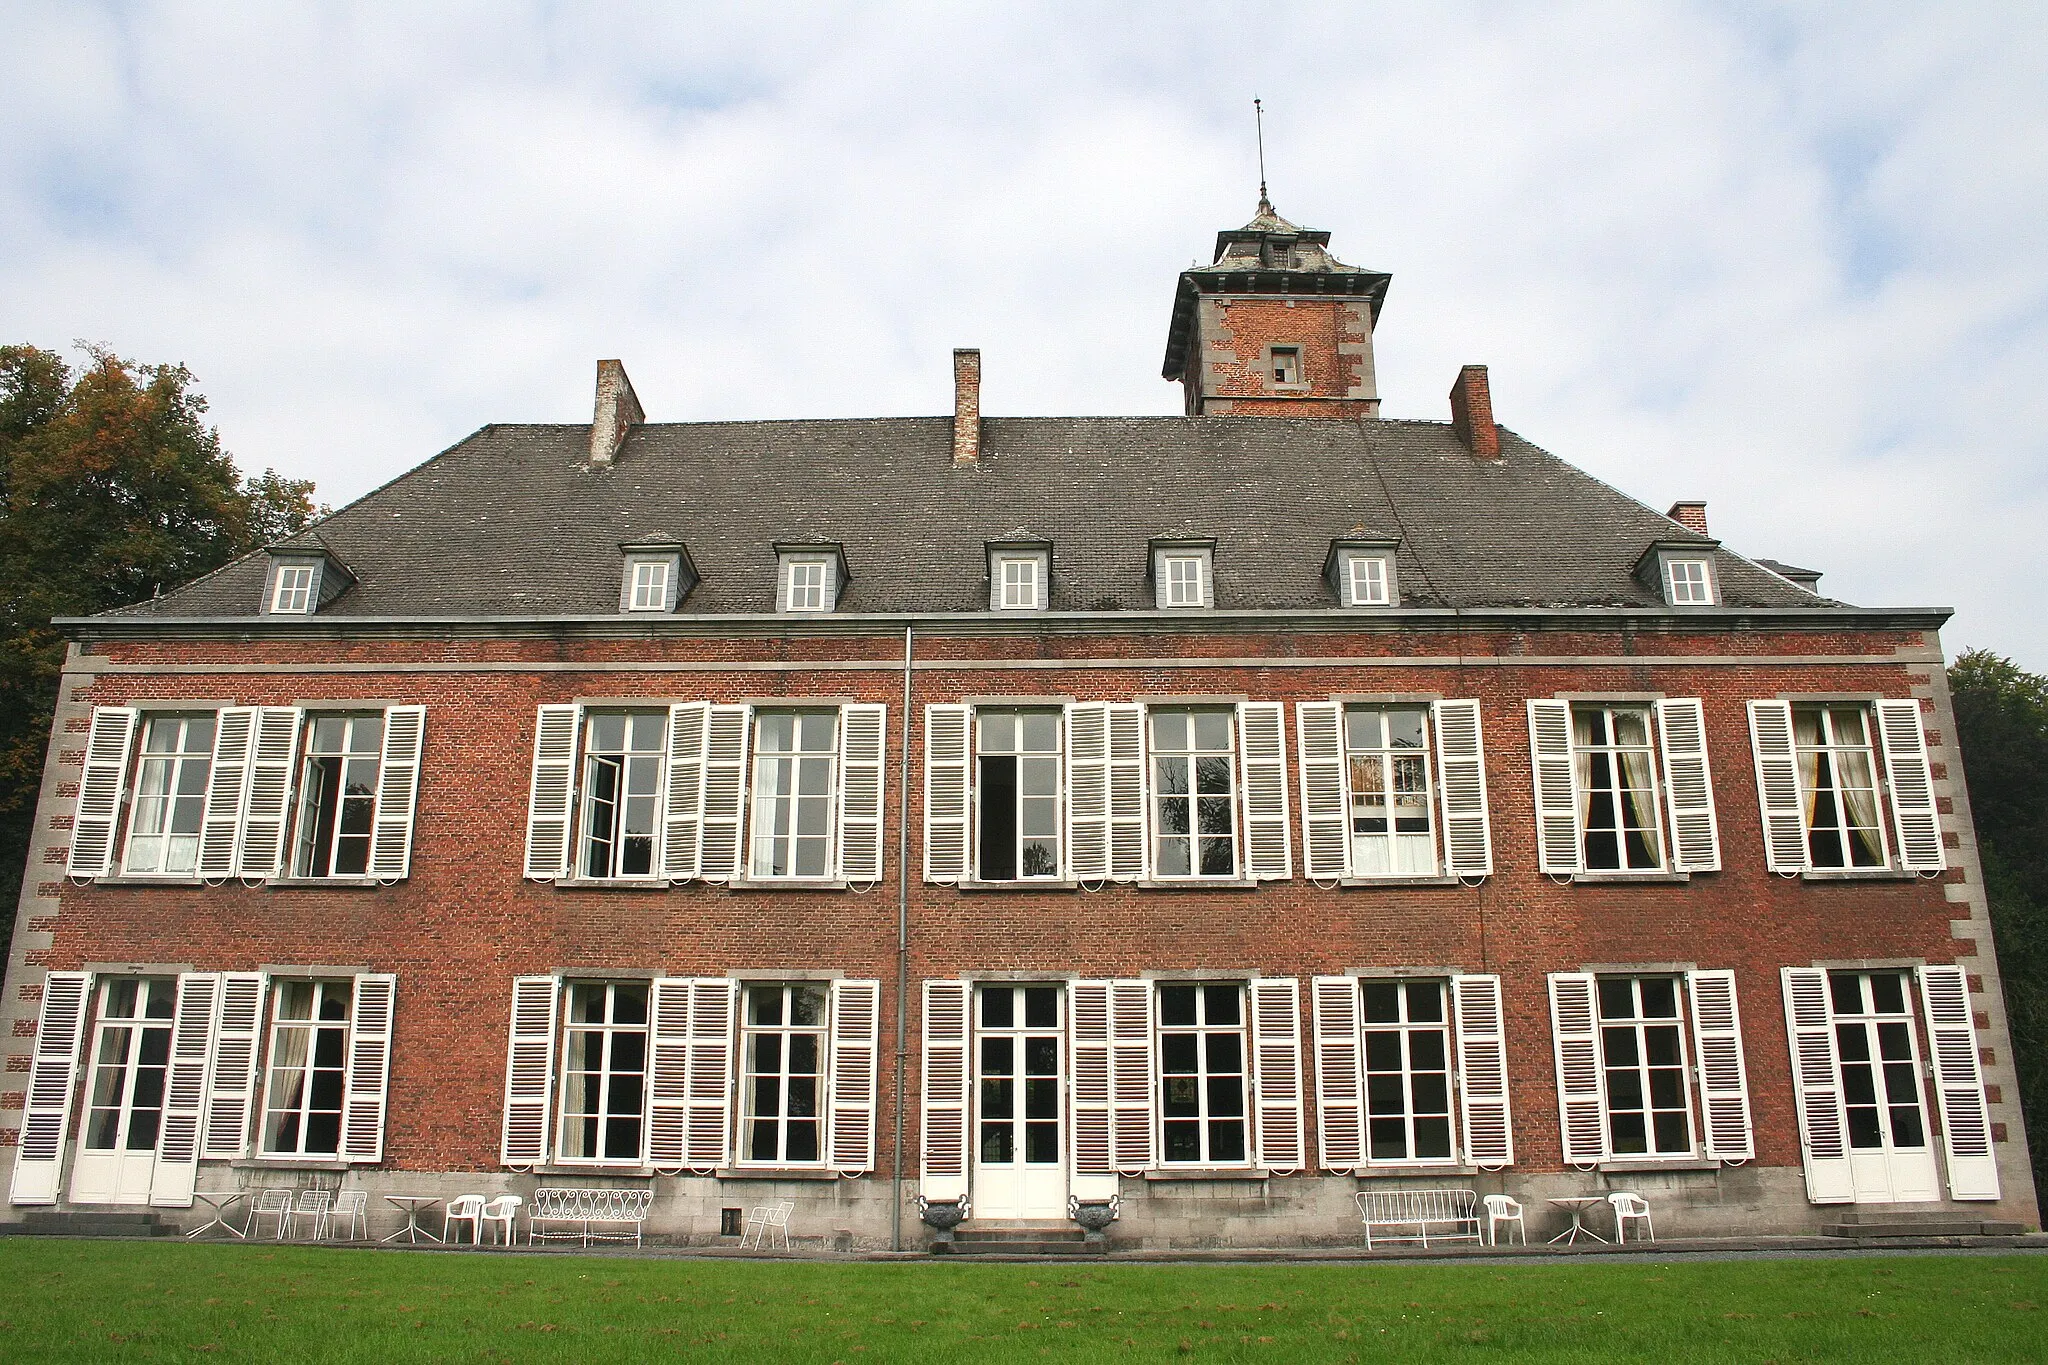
808, 578
1366, 580
648, 590
1182, 574
1018, 583
293, 595
1360, 570
1688, 582
301, 581
806, 585
1681, 572
658, 575
1285, 364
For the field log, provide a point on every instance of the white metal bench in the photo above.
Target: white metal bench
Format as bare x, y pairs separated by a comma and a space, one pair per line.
588, 1215
1456, 1212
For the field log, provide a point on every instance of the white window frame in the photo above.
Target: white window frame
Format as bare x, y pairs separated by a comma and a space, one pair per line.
649, 586
1274, 361
1055, 756
1827, 749
749, 1074
800, 594
312, 794
1404, 1027
1387, 757
760, 793
176, 763
609, 1031
1583, 790
1870, 1020
128, 1065
1202, 1030
1368, 580
292, 593
1174, 583
1157, 795
314, 1026
630, 760
1021, 590
1688, 581
1680, 1024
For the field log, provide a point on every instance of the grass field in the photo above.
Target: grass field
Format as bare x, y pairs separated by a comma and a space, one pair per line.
80, 1300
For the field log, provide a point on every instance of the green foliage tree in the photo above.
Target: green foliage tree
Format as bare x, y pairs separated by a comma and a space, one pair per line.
112, 488
2002, 726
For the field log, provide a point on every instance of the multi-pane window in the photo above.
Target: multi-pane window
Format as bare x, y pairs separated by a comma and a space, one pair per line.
650, 585
1183, 577
1407, 1071
1366, 576
1879, 1059
604, 1072
1017, 582
1386, 752
795, 759
805, 584
170, 794
294, 591
1642, 1059
1689, 585
1019, 1098
1286, 364
1018, 795
338, 795
1202, 1072
1194, 793
1617, 787
1838, 784
130, 1055
623, 752
308, 1058
784, 1076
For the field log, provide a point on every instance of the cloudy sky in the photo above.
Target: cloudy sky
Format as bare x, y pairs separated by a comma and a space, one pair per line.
1789, 259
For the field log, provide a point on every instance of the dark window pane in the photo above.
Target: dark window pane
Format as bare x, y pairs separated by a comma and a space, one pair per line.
761, 1143
1660, 998
1226, 1096
1226, 1052
1906, 1127
803, 1140
1629, 1134
1222, 1004
1041, 1007
1617, 998
1667, 1088
1042, 1099
1847, 989
1859, 1085
998, 1007
1389, 1138
1888, 993
1226, 1140
1426, 1050
1177, 1004
1177, 1053
1181, 1096
1852, 1042
1894, 1042
1041, 1056
998, 851
1432, 1137
803, 1097
1042, 1143
1385, 1095
1382, 1052
1219, 859
1625, 1089
1382, 1002
1432, 1094
1425, 1002
1863, 1129
323, 1133
1671, 1133
1184, 1141
997, 1141
1619, 1046
803, 1054
142, 1125
996, 1099
1662, 1046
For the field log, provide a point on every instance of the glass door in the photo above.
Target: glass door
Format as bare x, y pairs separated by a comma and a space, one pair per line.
1889, 1152
1020, 1169
131, 1048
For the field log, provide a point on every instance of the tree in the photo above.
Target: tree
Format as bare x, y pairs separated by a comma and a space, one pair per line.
112, 488
2002, 726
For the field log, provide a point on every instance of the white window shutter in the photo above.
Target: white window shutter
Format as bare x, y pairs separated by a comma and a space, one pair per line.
1129, 858
1817, 1086
52, 1079
237, 1032
99, 791
1581, 1099
398, 792
850, 1122
1088, 791
948, 1089
668, 1074
1724, 1078
227, 792
682, 792
1276, 1072
1461, 780
1092, 1145
1325, 823
863, 738
948, 794
726, 736
1912, 786
1959, 1083
553, 793
530, 1071
1689, 785
1340, 1074
273, 751
368, 1077
1777, 790
712, 1001
1558, 839
1262, 756
1483, 1071
177, 1142
1133, 1091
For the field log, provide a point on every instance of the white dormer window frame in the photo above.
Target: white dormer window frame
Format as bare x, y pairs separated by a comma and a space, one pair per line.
1283, 367
808, 583
1368, 580
295, 591
1183, 578
1017, 581
1689, 581
647, 584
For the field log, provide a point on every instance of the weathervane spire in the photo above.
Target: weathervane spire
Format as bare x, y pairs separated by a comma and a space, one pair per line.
1259, 122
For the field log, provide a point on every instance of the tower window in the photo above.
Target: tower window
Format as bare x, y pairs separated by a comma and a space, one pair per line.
1286, 364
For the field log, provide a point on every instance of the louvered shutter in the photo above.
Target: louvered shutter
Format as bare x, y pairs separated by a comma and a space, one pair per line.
1817, 1087
947, 1089
1959, 1083
668, 1074
553, 792
1483, 1071
1558, 840
99, 791
398, 791
1325, 824
850, 1124
1689, 785
1132, 1088
529, 1071
1461, 781
1581, 1101
177, 1142
236, 1034
1088, 791
1724, 1077
1262, 752
948, 793
1093, 1148
1128, 856
273, 749
1340, 1074
725, 792
1912, 786
227, 791
863, 736
368, 1077
1276, 1072
682, 793
1777, 788
710, 1076
52, 1076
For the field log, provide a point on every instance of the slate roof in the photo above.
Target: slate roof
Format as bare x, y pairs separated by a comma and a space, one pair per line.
512, 521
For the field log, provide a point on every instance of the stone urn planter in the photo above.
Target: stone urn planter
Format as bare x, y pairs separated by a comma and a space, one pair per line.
1094, 1216
942, 1216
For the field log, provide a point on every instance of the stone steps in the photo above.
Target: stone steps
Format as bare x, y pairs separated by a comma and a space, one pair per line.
1021, 1241
91, 1223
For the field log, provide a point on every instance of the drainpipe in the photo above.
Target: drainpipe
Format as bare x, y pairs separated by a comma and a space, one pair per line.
902, 948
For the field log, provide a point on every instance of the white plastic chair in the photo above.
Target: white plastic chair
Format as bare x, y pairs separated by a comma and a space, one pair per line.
313, 1205
504, 1209
464, 1208
353, 1206
1501, 1209
1631, 1206
765, 1221
270, 1204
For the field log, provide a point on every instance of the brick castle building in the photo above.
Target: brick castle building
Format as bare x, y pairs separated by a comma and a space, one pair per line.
1219, 815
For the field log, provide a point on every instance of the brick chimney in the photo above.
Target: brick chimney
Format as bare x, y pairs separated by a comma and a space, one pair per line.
618, 411
1472, 413
1691, 515
966, 408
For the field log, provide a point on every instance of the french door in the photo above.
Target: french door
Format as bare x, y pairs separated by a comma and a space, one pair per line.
131, 1050
1020, 1168
1890, 1155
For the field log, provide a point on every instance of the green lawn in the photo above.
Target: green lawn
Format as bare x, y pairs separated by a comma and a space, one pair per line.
78, 1300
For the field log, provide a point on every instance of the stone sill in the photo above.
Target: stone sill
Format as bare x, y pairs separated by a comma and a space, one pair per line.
1035, 884
1857, 874
1630, 878
776, 1173
286, 1163
1198, 1173
125, 879
1198, 884
611, 883
593, 1171
1653, 1167
1420, 1171
1354, 883
322, 884
788, 884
